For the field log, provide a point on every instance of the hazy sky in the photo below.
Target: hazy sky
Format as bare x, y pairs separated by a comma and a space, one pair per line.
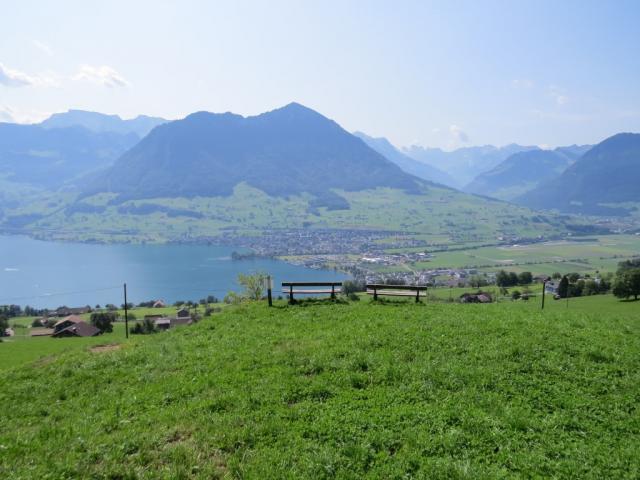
436, 73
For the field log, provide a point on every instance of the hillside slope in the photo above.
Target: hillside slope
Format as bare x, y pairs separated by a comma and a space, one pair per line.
49, 158
406, 163
288, 151
606, 175
354, 390
520, 173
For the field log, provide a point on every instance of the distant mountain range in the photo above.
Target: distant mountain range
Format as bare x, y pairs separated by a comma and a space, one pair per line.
288, 151
523, 171
464, 164
99, 122
406, 163
51, 158
600, 182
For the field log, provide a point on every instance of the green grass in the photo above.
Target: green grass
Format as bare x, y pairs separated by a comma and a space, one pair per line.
340, 391
600, 253
438, 215
21, 350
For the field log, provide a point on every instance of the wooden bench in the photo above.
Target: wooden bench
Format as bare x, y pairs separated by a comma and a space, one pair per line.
376, 289
292, 288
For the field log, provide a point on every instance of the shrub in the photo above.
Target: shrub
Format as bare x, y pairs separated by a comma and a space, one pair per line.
253, 285
145, 327
353, 286
103, 321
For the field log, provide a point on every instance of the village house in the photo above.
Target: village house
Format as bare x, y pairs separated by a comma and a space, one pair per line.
74, 326
159, 304
480, 297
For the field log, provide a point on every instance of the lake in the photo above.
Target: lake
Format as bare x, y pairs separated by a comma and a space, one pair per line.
46, 274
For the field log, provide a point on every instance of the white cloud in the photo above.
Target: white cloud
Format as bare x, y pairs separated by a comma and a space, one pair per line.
13, 115
10, 77
43, 47
14, 78
558, 95
522, 83
101, 75
458, 135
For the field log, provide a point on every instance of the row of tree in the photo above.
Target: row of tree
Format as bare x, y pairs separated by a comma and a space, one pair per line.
511, 279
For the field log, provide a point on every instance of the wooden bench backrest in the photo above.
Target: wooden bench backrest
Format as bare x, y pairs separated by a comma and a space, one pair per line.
380, 286
311, 284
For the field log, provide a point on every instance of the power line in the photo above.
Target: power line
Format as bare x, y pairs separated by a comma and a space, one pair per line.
47, 295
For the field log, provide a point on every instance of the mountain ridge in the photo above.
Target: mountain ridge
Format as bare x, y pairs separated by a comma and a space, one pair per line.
98, 122
608, 173
287, 151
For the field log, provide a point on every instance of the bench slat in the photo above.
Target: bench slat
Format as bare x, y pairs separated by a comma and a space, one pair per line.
382, 286
311, 284
392, 293
302, 292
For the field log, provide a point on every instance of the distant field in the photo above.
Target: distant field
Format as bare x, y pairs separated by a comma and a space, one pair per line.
357, 390
602, 253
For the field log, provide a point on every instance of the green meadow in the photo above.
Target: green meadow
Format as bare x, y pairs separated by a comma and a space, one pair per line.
438, 215
598, 253
340, 390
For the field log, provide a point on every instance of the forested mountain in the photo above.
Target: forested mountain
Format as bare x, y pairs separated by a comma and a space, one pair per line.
291, 150
100, 122
406, 163
607, 174
521, 172
49, 158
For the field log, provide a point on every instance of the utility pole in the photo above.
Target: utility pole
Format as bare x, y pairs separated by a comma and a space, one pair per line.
126, 316
269, 287
544, 289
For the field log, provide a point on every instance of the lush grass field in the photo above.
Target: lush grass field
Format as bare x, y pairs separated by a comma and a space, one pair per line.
392, 390
599, 253
20, 350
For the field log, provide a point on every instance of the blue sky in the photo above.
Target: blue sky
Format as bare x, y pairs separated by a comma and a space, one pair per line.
448, 74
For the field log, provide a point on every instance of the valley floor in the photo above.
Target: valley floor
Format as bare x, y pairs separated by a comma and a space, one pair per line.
345, 390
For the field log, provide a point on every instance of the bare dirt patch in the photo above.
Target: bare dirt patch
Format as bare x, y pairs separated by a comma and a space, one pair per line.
105, 348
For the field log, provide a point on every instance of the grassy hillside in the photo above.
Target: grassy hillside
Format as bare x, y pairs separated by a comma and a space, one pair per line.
440, 214
340, 391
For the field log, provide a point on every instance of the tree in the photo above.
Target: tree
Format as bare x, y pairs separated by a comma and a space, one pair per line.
253, 285
4, 324
627, 283
563, 287
515, 295
478, 281
590, 288
145, 327
513, 279
103, 321
502, 279
352, 286
556, 275
525, 278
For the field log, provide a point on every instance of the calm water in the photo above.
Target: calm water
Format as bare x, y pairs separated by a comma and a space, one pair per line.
50, 274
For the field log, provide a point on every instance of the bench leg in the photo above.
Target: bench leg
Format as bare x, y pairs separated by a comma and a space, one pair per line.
333, 292
375, 294
290, 295
417, 296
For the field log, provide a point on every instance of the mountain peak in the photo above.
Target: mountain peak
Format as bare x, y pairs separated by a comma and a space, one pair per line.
288, 151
